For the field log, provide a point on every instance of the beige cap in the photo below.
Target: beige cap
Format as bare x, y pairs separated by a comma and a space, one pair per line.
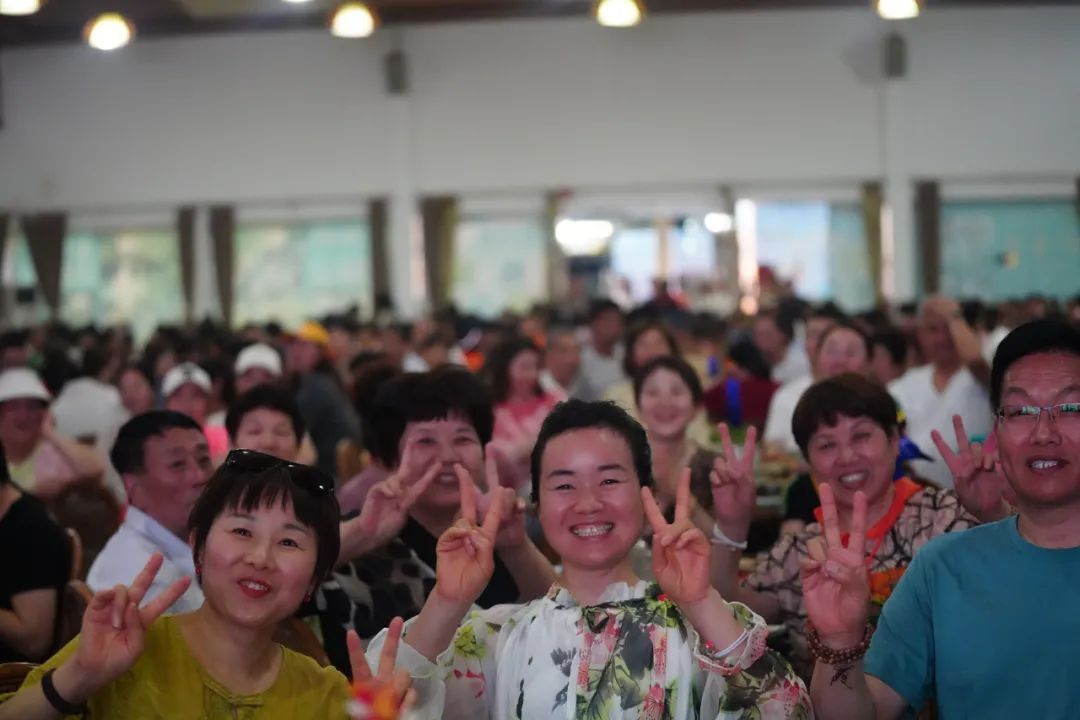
182, 375
16, 383
258, 355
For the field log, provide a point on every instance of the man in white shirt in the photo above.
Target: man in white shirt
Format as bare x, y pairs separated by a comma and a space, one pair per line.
601, 358
953, 382
562, 363
774, 336
163, 459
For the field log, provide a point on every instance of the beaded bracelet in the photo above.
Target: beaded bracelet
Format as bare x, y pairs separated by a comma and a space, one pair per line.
841, 660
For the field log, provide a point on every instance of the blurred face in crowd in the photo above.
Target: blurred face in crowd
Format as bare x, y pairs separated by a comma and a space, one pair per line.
666, 405
842, 350
935, 339
650, 345
21, 421
394, 345
268, 431
302, 356
191, 400
816, 327
854, 454
176, 465
524, 372
252, 378
165, 362
14, 356
435, 355
607, 328
444, 442
883, 367
769, 340
590, 498
136, 392
563, 358
258, 565
1040, 454
340, 343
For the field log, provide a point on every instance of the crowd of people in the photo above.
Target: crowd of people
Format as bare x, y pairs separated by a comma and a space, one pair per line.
543, 517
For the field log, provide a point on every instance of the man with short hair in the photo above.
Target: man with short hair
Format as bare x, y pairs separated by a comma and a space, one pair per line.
562, 363
602, 357
163, 459
982, 621
774, 335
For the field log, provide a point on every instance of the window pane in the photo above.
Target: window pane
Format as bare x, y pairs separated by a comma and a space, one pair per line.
499, 264
793, 239
291, 272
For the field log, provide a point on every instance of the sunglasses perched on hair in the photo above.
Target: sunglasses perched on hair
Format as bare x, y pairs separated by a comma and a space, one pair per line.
255, 462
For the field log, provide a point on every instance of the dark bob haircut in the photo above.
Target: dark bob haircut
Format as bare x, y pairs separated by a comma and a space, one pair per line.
128, 450
233, 488
269, 397
1039, 336
497, 367
632, 336
849, 395
676, 365
580, 415
422, 397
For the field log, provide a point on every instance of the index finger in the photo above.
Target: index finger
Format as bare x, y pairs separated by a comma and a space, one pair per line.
152, 610
491, 467
467, 492
857, 539
493, 517
417, 489
830, 519
682, 496
357, 661
947, 453
145, 578
962, 442
750, 449
388, 656
652, 511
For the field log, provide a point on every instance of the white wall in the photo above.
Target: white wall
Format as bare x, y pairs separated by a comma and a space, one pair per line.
755, 100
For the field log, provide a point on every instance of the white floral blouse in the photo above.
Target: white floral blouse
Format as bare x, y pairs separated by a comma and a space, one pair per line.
632, 655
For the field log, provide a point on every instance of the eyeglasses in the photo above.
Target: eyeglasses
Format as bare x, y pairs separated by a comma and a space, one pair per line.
253, 461
1028, 415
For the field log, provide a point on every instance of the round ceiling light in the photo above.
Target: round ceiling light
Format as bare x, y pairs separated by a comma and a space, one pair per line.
19, 7
353, 20
109, 31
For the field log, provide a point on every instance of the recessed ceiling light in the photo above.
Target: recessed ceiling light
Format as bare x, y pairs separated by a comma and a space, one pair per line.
353, 20
619, 13
898, 9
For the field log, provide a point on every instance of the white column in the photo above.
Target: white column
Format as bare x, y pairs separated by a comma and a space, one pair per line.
406, 269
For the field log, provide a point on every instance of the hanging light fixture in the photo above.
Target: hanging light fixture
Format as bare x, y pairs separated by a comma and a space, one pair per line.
19, 7
898, 9
619, 13
108, 31
353, 20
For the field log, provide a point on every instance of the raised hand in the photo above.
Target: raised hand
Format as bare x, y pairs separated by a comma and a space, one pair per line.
733, 490
836, 587
466, 551
512, 528
980, 484
680, 551
114, 626
397, 681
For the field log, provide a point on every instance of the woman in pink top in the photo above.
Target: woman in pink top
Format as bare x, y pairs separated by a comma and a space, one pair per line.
513, 372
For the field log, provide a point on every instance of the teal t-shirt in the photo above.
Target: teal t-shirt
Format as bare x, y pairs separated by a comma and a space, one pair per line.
986, 624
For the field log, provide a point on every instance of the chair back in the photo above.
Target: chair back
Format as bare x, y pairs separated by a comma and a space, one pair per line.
74, 600
12, 675
93, 512
297, 635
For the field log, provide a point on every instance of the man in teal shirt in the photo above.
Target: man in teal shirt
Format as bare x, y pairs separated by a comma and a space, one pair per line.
983, 621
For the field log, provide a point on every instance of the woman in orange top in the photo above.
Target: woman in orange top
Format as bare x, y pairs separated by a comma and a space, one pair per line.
848, 431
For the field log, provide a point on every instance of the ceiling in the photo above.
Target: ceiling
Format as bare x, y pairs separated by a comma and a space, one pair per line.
63, 20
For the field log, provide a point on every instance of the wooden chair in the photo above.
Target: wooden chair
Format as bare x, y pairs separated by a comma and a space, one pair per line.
12, 675
75, 541
93, 512
74, 600
298, 636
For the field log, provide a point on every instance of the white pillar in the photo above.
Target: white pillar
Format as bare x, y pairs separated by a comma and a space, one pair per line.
206, 302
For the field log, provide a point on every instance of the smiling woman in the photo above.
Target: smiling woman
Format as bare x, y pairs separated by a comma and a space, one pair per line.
263, 533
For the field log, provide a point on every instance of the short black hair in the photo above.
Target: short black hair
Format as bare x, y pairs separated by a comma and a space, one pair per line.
599, 307
632, 336
581, 415
421, 397
845, 324
850, 395
895, 343
271, 397
367, 382
828, 310
497, 366
232, 488
676, 365
1039, 336
784, 322
128, 450
746, 355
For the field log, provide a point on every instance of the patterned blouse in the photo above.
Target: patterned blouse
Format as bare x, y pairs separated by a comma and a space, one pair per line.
632, 655
918, 515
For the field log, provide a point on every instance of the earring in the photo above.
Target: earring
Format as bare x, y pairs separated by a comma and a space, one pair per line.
307, 598
198, 572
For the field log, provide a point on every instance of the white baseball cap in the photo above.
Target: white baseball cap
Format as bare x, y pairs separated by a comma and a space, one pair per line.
183, 374
17, 383
258, 355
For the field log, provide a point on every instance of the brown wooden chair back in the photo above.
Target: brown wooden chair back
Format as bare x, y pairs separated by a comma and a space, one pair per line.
12, 675
298, 636
74, 600
93, 512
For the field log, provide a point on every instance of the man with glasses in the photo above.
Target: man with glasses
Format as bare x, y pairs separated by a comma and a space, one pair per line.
984, 621
164, 461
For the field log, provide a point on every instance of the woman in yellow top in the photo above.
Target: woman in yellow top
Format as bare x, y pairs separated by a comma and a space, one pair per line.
264, 532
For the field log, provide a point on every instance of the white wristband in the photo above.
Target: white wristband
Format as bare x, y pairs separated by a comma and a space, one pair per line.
719, 538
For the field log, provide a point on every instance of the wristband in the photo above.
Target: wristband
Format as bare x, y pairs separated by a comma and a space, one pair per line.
719, 538
61, 705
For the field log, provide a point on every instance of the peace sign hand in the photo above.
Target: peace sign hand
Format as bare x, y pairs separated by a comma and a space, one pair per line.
980, 484
512, 526
114, 627
402, 696
466, 551
680, 551
836, 587
733, 490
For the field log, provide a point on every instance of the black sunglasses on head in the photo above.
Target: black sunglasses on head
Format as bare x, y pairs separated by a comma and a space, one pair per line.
253, 461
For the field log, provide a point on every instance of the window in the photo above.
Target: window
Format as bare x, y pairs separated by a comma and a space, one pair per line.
499, 264
293, 271
25, 303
